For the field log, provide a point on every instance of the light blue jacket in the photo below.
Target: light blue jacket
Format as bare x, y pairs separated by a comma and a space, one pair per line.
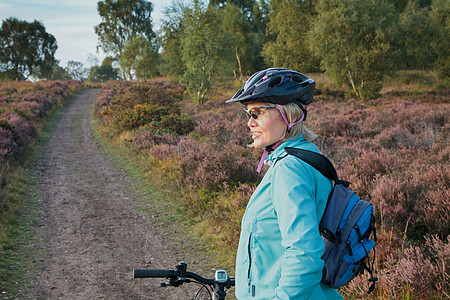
280, 248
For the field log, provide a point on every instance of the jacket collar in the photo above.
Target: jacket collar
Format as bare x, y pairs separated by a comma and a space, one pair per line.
280, 150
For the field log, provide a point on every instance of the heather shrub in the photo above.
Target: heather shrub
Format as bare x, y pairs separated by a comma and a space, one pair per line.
33, 103
223, 126
22, 106
415, 200
173, 123
422, 272
435, 210
164, 151
148, 139
373, 163
209, 165
25, 130
156, 94
111, 92
8, 146
395, 199
157, 119
125, 95
16, 110
395, 137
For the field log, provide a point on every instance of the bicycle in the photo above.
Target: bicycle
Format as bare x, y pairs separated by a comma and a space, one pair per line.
218, 285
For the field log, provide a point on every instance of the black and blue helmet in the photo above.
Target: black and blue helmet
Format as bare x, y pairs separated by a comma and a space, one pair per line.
278, 86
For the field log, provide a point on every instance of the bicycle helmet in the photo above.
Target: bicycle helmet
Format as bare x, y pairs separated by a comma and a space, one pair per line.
278, 86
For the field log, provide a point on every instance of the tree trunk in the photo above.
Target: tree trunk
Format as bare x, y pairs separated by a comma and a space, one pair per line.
350, 78
241, 76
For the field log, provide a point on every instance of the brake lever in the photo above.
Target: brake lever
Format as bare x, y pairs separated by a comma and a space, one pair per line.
175, 282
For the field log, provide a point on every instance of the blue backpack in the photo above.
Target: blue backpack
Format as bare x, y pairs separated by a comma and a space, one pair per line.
346, 227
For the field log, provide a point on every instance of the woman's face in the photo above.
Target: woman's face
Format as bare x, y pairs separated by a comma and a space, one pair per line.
269, 126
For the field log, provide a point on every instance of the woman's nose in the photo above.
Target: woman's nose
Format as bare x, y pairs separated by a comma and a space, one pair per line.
251, 122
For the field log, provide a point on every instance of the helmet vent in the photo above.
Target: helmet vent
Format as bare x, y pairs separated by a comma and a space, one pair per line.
274, 82
297, 78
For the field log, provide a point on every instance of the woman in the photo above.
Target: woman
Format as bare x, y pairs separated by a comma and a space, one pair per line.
280, 248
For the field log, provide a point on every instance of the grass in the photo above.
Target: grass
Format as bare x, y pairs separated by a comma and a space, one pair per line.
412, 81
19, 254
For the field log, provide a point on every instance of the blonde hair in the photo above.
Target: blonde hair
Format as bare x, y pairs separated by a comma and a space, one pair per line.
294, 113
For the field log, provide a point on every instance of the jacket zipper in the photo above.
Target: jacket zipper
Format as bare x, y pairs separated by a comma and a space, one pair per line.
249, 258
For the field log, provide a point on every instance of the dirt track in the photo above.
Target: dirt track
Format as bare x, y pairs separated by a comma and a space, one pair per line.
93, 234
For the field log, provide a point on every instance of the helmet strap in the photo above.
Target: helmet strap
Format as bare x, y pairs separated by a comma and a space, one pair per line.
283, 114
272, 147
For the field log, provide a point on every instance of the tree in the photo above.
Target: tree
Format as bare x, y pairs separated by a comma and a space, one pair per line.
59, 73
206, 50
236, 24
26, 49
245, 21
245, 6
104, 72
76, 70
139, 58
123, 21
415, 35
289, 21
353, 39
440, 18
170, 40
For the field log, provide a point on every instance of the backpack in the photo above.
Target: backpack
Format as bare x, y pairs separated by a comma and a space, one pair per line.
346, 226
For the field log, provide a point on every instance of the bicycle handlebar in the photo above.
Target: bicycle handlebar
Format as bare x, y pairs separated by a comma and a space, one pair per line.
177, 277
148, 273
152, 273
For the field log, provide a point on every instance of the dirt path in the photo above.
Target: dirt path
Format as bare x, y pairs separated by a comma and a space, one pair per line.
93, 234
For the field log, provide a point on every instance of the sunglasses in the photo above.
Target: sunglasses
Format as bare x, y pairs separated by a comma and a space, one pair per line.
257, 111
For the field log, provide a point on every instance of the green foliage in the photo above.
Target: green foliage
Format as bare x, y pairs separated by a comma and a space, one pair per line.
246, 30
59, 73
355, 42
146, 94
26, 49
171, 29
139, 58
246, 6
289, 22
206, 49
236, 25
440, 18
414, 37
104, 72
76, 70
122, 22
4, 124
155, 118
18, 111
353, 39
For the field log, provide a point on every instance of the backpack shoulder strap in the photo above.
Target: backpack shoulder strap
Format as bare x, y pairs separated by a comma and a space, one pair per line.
316, 160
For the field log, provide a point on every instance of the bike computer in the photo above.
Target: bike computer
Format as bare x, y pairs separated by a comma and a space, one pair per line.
221, 276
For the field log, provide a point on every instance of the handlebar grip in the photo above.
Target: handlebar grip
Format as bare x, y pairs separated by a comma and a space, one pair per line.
150, 273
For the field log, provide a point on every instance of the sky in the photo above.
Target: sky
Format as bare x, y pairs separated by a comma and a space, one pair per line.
71, 22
